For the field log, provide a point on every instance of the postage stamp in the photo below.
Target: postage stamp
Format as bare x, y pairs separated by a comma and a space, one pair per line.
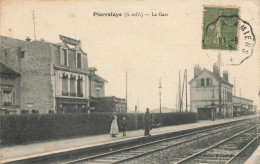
224, 30
220, 28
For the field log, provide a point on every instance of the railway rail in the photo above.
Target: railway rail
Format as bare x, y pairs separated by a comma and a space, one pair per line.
131, 153
225, 151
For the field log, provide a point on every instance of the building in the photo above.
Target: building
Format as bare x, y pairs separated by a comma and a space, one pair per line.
240, 104
204, 93
96, 84
9, 90
109, 104
53, 77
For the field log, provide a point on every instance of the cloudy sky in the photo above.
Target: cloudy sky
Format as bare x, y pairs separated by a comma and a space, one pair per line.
147, 47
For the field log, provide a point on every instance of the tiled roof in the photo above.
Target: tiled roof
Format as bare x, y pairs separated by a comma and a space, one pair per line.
7, 42
98, 78
214, 75
5, 70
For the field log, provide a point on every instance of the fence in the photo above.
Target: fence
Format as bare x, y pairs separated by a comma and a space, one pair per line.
19, 129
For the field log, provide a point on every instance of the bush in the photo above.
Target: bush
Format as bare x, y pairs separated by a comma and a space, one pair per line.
18, 129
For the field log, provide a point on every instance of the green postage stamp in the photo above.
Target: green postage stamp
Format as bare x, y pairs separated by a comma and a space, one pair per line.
220, 28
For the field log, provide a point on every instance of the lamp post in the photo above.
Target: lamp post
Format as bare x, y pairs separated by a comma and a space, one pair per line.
160, 93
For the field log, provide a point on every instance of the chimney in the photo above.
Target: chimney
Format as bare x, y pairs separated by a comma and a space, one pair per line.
197, 70
42, 40
79, 44
225, 75
215, 69
28, 39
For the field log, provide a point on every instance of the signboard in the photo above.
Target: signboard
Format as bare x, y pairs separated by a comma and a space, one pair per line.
69, 40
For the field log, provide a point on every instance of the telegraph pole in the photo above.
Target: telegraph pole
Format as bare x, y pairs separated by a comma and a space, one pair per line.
34, 25
160, 94
186, 90
219, 84
126, 92
234, 86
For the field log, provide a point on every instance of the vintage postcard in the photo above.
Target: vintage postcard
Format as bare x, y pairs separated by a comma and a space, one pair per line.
142, 81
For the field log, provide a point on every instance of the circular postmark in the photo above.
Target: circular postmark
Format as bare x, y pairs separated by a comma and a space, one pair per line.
227, 33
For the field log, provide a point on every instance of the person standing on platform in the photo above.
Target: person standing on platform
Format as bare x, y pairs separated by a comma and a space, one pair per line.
147, 123
123, 126
114, 126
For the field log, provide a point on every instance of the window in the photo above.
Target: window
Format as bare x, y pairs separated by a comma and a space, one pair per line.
14, 98
80, 88
98, 92
78, 60
64, 56
1, 97
208, 81
65, 86
202, 82
7, 98
72, 86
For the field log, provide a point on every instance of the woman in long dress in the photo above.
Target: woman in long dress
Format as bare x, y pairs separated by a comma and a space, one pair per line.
114, 126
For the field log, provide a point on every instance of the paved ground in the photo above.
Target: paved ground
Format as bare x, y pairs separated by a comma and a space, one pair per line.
254, 158
36, 149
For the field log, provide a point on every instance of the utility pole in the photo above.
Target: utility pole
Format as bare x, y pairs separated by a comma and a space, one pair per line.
34, 25
186, 90
240, 97
160, 94
176, 103
234, 86
180, 91
126, 92
219, 84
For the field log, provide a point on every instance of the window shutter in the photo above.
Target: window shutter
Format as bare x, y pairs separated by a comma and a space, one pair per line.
210, 81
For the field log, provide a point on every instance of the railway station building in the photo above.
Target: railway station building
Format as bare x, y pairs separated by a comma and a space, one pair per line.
240, 104
46, 77
204, 94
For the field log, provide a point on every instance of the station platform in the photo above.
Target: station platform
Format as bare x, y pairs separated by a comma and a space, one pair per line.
19, 152
254, 158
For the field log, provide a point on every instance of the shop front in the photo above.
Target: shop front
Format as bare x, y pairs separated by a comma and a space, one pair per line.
68, 105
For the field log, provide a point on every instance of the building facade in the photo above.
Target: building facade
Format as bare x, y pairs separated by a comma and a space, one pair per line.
240, 104
9, 90
109, 104
52, 77
205, 98
96, 84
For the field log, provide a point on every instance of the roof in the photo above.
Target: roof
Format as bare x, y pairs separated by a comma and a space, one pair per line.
7, 42
243, 98
214, 75
114, 98
98, 78
5, 70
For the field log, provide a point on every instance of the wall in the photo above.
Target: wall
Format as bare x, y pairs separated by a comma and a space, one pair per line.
94, 85
203, 95
12, 82
36, 87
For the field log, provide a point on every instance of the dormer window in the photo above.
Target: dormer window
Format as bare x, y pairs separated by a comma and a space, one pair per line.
79, 60
64, 56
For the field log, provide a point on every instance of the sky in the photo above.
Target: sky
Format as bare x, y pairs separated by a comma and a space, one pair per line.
147, 48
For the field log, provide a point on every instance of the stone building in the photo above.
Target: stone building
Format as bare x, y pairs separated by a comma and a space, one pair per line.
52, 77
9, 90
204, 94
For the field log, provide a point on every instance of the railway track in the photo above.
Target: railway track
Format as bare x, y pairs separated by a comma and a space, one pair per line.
131, 153
225, 151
